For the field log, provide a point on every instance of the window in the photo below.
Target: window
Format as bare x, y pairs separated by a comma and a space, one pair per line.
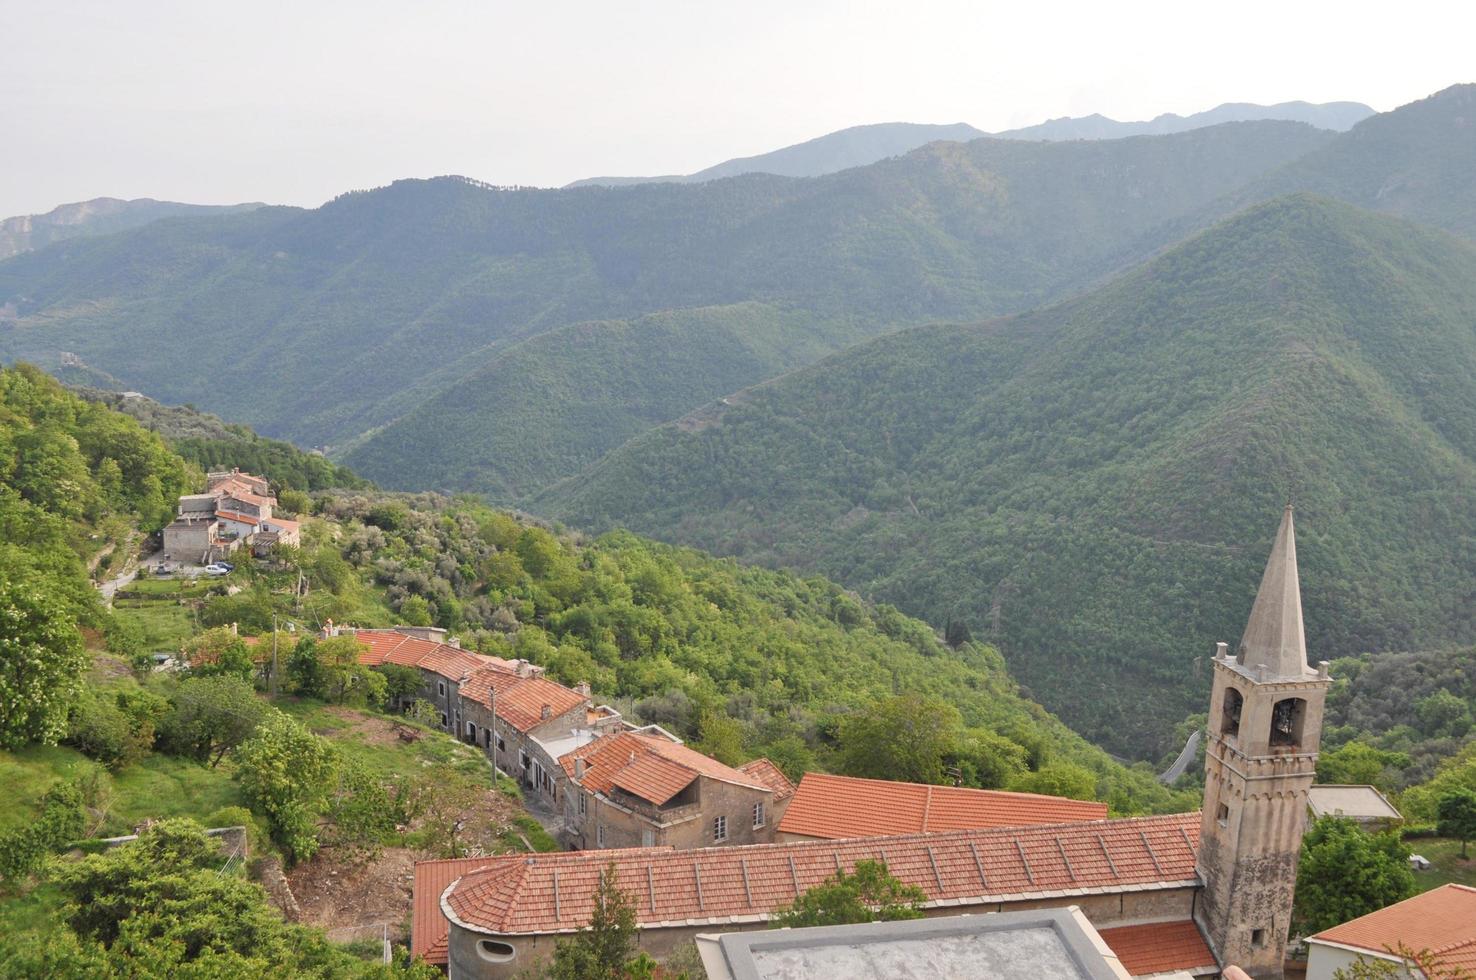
1223, 815
583, 806
522, 759
1258, 937
441, 688
599, 835
471, 731
648, 838
1287, 718
445, 722
501, 745
487, 737
1230, 723
495, 952
758, 815
720, 828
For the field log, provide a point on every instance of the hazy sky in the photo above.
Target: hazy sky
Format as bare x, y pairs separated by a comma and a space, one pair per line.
295, 102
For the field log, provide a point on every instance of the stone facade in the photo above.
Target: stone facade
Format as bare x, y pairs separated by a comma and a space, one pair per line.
688, 820
1265, 726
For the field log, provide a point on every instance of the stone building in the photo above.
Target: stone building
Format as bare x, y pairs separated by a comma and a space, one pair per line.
1185, 892
1265, 724
235, 509
644, 788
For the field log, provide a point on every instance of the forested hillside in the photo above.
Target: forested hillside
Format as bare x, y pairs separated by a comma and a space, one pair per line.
557, 402
1095, 486
320, 325
213, 444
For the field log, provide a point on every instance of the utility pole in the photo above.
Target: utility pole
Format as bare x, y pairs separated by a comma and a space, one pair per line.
274, 654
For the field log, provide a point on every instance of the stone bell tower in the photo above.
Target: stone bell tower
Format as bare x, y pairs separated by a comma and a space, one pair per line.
1265, 722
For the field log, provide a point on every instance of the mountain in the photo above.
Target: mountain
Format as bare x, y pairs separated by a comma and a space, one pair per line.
856, 146
553, 404
99, 216
1339, 116
321, 326
1416, 162
1094, 486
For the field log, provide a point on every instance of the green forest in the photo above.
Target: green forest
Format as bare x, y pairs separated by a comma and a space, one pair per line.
1094, 486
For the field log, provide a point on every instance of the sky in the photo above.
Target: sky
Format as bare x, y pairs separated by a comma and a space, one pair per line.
294, 103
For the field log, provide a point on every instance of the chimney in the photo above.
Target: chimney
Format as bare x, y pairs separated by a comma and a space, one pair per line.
548, 712
1222, 651
583, 688
579, 767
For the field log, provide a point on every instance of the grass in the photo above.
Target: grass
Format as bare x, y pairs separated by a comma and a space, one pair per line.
387, 758
158, 786
154, 605
1446, 864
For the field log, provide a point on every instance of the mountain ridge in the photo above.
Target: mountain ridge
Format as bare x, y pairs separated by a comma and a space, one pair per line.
1113, 457
97, 216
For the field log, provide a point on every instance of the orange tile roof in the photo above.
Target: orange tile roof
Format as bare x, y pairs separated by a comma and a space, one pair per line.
387, 646
520, 701
226, 515
649, 766
1160, 947
771, 776
553, 893
1442, 920
833, 807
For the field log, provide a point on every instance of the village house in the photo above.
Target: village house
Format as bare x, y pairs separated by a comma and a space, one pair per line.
1186, 892
827, 807
1440, 922
644, 788
236, 509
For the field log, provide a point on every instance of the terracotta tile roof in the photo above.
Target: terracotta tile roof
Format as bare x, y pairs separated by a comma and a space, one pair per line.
284, 523
226, 515
520, 701
428, 924
1160, 947
1442, 920
388, 647
649, 766
771, 776
834, 807
247, 497
517, 895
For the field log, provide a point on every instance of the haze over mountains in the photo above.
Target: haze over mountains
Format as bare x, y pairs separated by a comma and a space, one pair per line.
1087, 480
858, 146
99, 216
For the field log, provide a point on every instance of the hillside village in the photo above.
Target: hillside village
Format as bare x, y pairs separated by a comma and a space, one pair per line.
1044, 551
707, 848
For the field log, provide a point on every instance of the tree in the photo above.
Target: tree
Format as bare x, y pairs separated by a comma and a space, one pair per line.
210, 717
445, 801
604, 950
1359, 763
1427, 964
340, 674
1443, 713
41, 664
868, 894
1058, 779
415, 610
1457, 816
1345, 872
401, 683
286, 773
219, 652
905, 737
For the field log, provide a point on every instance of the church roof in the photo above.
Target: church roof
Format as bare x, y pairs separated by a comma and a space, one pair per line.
1274, 638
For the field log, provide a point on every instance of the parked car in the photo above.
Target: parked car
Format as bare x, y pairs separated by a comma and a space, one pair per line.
226, 565
217, 569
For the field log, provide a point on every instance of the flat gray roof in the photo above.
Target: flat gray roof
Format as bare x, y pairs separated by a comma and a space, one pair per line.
1357, 802
1056, 943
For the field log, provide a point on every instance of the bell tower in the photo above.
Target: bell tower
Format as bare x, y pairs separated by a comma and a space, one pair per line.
1265, 723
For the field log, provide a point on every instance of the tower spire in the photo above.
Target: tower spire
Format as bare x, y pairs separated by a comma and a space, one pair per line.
1274, 638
